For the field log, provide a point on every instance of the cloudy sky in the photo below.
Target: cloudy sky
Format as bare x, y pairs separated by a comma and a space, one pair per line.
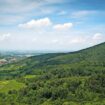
51, 25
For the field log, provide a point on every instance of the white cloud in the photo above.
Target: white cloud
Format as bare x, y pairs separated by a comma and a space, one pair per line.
34, 39
43, 23
78, 40
22, 6
4, 36
92, 40
15, 11
49, 40
62, 13
63, 26
53, 1
10, 19
83, 13
55, 41
36, 23
98, 36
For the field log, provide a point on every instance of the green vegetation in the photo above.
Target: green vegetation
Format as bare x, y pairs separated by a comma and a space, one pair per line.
30, 76
76, 78
7, 85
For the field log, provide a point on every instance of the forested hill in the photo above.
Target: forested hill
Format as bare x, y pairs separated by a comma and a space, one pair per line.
91, 56
76, 78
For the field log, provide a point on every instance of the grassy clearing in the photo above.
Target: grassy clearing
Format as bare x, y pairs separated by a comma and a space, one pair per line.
30, 76
6, 86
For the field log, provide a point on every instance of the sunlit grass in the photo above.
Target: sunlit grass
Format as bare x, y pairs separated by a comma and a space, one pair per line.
6, 86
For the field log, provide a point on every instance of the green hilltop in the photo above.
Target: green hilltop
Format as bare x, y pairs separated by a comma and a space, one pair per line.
56, 79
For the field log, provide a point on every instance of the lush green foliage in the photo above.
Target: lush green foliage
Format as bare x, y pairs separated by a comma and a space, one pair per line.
56, 79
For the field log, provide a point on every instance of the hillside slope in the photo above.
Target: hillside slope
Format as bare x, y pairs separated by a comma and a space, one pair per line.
76, 78
90, 56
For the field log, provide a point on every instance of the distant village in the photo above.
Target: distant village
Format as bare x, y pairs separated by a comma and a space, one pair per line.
6, 61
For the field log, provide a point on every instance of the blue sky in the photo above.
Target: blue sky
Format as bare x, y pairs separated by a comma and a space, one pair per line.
52, 25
